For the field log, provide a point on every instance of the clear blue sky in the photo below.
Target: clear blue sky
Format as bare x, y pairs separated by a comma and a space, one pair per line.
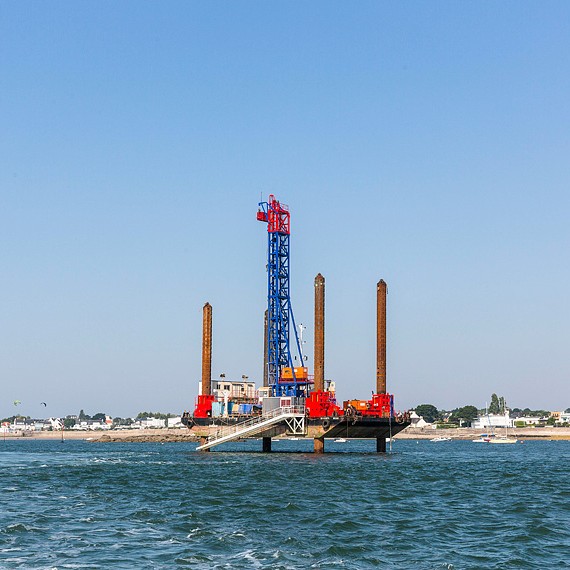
425, 143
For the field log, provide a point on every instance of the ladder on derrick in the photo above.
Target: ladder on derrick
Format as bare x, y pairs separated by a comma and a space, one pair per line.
293, 416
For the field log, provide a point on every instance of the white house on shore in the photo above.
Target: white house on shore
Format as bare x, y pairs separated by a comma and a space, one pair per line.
529, 421
144, 423
84, 425
418, 421
492, 421
564, 418
154, 423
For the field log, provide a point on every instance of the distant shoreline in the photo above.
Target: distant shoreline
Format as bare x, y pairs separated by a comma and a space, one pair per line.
530, 433
157, 434
163, 435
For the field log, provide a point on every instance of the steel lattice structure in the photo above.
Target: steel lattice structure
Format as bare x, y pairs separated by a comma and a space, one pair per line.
279, 311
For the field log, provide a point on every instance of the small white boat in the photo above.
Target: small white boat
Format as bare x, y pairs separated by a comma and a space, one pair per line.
340, 440
484, 438
503, 440
442, 438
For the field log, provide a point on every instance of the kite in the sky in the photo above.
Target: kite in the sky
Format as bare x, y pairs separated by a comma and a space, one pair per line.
16, 402
43, 404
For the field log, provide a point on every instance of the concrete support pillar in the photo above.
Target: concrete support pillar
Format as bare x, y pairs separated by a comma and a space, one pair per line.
204, 440
207, 350
319, 443
381, 444
319, 333
381, 291
266, 445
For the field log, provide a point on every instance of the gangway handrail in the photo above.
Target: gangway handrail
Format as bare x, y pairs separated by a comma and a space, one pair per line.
250, 424
297, 410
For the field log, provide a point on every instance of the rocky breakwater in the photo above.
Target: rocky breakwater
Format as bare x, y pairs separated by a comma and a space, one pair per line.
147, 436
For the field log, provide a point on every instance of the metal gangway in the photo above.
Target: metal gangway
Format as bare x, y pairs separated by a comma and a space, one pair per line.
293, 416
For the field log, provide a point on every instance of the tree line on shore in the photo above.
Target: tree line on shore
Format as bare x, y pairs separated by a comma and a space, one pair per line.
467, 414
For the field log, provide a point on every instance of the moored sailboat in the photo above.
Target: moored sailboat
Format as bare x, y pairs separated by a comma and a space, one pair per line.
504, 438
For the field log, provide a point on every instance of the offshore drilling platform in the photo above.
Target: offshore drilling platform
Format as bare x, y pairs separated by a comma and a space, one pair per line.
291, 402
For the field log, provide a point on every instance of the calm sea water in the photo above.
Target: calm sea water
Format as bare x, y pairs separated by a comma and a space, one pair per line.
456, 505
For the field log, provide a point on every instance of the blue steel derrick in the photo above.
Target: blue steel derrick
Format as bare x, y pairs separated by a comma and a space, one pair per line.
279, 311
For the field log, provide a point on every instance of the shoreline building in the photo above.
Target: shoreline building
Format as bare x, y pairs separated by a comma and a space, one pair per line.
493, 421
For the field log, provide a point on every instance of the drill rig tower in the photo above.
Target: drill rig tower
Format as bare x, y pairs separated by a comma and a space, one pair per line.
284, 378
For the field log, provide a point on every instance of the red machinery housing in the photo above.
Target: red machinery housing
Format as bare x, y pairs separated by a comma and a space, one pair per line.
380, 405
322, 404
203, 407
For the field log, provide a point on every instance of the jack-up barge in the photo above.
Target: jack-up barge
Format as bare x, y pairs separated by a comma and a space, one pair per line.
291, 402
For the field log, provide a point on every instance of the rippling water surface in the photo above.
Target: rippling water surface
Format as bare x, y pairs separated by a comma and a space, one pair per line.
427, 505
